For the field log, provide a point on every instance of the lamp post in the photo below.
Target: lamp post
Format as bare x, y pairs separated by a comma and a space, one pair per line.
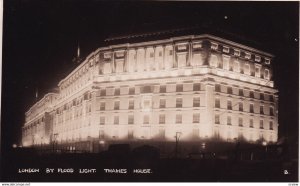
177, 137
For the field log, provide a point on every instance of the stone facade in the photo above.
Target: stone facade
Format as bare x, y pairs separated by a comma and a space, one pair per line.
199, 87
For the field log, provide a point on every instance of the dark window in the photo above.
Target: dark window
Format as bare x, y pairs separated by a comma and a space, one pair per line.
218, 88
196, 118
117, 91
240, 122
102, 106
130, 134
179, 88
251, 108
229, 105
251, 94
162, 103
271, 98
271, 125
131, 91
102, 120
241, 106
196, 102
261, 124
178, 102
271, 111
103, 92
131, 104
261, 109
217, 103
196, 87
162, 89
217, 119
117, 105
241, 92
261, 96
229, 90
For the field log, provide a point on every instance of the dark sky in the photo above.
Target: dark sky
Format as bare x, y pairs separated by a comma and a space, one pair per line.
40, 40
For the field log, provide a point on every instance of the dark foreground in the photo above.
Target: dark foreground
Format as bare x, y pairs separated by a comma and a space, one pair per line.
146, 166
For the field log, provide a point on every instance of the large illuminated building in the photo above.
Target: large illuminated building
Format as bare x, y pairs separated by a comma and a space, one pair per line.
196, 88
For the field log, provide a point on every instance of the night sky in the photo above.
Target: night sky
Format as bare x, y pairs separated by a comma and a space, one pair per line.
40, 40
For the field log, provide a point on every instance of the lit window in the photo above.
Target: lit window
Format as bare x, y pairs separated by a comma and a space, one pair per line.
116, 120
214, 61
130, 119
130, 134
225, 49
196, 102
247, 55
228, 120
117, 105
196, 87
102, 120
217, 119
251, 123
178, 102
257, 58
131, 104
261, 124
257, 71
236, 52
146, 119
196, 118
161, 119
225, 62
101, 134
236, 66
217, 103
162, 103
247, 69
267, 74
214, 46
178, 118
161, 133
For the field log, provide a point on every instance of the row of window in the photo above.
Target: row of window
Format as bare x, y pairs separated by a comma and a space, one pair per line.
146, 119
242, 92
147, 104
149, 89
241, 122
236, 67
241, 107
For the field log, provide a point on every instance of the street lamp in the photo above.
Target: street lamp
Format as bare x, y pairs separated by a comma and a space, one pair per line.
177, 137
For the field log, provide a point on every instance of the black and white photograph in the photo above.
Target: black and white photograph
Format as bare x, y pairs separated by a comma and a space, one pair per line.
150, 91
